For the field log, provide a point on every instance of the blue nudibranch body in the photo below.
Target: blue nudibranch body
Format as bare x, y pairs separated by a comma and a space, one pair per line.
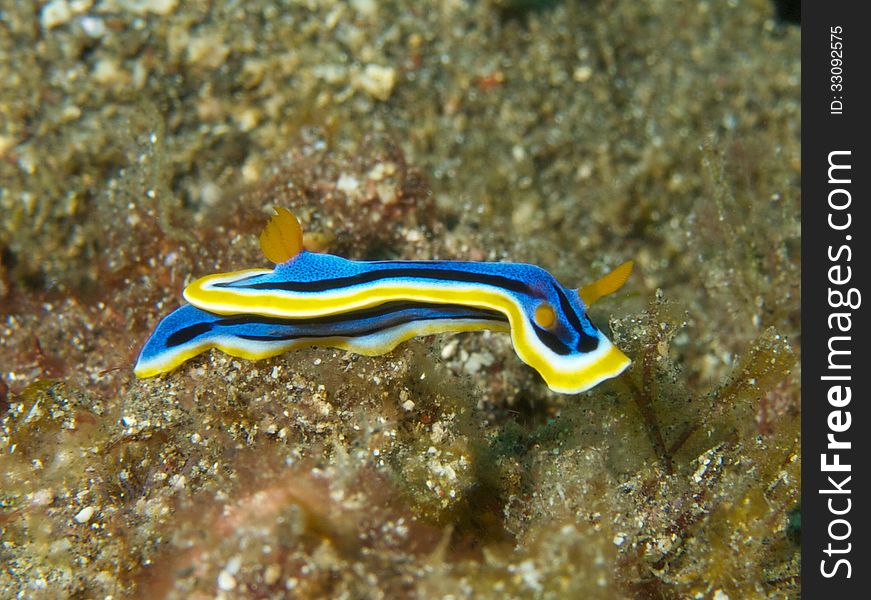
370, 307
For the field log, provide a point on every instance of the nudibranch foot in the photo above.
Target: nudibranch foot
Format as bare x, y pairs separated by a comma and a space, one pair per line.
189, 331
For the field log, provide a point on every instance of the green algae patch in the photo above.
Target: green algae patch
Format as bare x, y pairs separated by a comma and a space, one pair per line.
727, 472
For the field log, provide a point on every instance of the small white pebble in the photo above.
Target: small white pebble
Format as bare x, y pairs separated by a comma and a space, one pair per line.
80, 6
347, 184
450, 349
42, 497
582, 74
84, 515
143, 7
233, 565
476, 361
226, 581
248, 119
54, 14
408, 405
381, 170
377, 81
208, 51
210, 193
109, 71
271, 575
94, 27
367, 8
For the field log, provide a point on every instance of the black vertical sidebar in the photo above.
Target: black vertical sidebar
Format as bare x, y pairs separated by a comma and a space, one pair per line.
836, 419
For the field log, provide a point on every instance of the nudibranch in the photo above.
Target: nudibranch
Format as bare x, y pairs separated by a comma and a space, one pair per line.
369, 307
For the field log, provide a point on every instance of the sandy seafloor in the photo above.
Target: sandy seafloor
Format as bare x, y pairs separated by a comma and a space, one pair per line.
143, 143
